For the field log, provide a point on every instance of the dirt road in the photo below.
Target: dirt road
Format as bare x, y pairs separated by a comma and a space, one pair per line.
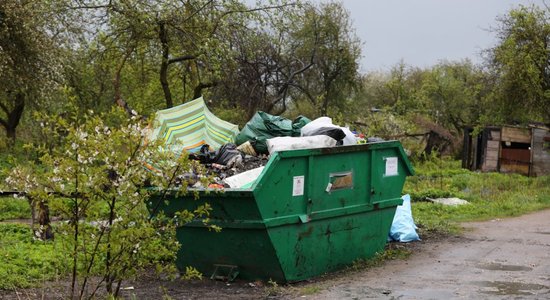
499, 259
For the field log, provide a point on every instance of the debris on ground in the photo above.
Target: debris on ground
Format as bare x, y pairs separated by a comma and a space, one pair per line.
449, 201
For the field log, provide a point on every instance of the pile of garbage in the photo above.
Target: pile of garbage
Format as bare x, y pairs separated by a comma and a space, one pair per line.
235, 158
237, 165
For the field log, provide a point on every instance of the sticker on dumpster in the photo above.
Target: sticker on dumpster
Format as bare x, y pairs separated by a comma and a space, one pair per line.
391, 166
298, 186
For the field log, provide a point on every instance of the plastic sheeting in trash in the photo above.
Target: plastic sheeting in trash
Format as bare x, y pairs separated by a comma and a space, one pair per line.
403, 228
333, 132
310, 128
228, 155
264, 126
244, 179
294, 143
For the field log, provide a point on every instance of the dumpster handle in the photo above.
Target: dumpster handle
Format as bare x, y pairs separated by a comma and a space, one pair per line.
309, 185
373, 182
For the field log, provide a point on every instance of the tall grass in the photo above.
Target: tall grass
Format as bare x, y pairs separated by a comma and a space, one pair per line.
491, 195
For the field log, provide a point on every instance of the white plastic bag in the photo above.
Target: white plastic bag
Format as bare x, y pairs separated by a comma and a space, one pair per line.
316, 124
294, 143
312, 126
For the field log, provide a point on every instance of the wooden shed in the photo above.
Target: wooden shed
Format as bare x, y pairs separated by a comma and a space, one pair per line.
508, 149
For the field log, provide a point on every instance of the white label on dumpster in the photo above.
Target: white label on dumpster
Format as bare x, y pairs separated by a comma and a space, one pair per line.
391, 166
298, 186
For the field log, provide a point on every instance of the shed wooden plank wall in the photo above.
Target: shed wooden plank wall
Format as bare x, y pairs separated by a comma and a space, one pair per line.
541, 152
516, 135
491, 151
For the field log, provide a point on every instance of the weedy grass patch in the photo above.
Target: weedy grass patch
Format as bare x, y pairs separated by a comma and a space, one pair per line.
25, 262
380, 257
19, 208
12, 208
490, 195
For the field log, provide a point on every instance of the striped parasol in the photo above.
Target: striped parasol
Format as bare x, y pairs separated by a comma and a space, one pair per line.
191, 125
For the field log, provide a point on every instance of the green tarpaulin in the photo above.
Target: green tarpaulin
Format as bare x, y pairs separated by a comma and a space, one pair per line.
264, 126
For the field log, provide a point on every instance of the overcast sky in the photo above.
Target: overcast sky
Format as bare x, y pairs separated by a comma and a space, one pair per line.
423, 32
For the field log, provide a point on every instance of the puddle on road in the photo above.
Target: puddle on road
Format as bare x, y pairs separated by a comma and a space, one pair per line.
509, 288
502, 267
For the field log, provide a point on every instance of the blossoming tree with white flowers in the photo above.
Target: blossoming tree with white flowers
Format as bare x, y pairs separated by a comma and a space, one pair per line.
97, 175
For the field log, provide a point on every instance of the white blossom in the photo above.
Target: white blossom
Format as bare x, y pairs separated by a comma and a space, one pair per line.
136, 248
81, 134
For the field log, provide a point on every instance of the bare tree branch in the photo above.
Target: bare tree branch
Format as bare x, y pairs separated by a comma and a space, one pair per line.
84, 6
197, 92
263, 8
181, 58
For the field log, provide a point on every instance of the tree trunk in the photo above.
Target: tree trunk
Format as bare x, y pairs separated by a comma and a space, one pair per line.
163, 37
11, 134
324, 105
118, 100
40, 213
13, 117
45, 229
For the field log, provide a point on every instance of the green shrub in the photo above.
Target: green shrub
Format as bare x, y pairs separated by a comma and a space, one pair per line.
12, 208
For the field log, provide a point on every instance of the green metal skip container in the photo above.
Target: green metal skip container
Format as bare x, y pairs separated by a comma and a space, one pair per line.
309, 212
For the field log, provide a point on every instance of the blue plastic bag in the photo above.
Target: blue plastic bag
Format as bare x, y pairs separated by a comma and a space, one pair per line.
403, 228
